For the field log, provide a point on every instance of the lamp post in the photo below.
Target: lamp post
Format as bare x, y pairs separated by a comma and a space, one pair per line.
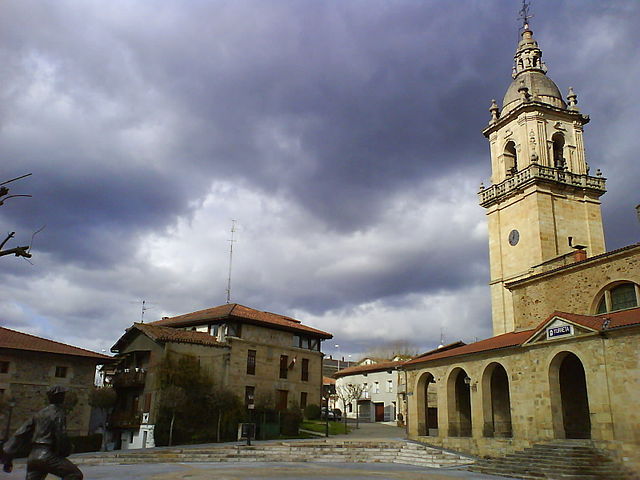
337, 355
326, 414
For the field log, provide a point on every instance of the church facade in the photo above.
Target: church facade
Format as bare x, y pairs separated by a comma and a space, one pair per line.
563, 362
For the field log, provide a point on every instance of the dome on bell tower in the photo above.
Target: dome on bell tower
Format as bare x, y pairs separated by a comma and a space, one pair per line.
530, 81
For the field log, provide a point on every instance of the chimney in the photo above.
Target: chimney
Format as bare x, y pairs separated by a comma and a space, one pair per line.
579, 255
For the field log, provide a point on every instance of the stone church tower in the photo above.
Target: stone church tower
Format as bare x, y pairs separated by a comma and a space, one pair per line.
543, 205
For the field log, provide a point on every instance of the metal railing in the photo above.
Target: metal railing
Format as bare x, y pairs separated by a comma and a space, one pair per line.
133, 378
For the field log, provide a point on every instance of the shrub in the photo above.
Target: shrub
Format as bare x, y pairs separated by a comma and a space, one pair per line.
86, 443
312, 412
290, 420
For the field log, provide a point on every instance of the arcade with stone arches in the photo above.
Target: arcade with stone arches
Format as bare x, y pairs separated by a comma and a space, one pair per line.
529, 393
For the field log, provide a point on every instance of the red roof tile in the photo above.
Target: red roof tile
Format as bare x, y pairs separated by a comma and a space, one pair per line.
604, 321
607, 321
23, 341
443, 348
374, 367
167, 334
241, 313
506, 340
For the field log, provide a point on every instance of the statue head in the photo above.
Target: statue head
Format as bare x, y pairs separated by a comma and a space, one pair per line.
55, 394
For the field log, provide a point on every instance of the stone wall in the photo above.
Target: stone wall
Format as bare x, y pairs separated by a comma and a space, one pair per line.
576, 288
269, 345
32, 373
612, 373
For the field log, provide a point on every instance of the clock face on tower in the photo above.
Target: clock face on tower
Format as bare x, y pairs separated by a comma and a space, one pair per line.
514, 237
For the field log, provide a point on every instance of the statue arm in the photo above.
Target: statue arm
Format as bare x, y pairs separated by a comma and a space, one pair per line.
20, 440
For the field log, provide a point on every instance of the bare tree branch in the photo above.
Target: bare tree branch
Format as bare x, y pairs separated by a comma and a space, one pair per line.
14, 179
17, 251
9, 237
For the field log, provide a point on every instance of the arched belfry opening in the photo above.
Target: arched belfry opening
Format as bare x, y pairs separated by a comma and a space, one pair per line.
459, 403
510, 158
569, 397
427, 401
558, 150
496, 402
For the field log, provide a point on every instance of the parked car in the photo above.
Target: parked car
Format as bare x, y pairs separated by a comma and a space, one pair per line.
334, 415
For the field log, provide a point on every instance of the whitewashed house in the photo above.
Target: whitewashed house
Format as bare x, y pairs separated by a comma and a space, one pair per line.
379, 380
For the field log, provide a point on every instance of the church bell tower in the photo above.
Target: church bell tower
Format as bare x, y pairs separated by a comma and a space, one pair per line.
542, 204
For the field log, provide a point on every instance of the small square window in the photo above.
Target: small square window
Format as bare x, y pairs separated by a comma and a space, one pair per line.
61, 372
4, 367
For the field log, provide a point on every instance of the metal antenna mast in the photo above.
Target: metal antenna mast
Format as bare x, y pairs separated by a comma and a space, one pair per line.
524, 13
144, 308
233, 231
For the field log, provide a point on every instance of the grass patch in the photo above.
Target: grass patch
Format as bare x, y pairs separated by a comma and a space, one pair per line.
335, 428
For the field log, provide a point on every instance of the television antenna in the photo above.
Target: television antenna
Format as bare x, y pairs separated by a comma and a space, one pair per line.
144, 307
231, 241
525, 15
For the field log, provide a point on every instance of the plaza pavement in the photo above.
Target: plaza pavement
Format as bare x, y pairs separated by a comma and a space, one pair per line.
279, 470
267, 470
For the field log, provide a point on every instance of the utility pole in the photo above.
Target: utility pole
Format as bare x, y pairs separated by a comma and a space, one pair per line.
233, 231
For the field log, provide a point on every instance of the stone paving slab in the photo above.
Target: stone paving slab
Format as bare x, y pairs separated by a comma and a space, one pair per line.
262, 470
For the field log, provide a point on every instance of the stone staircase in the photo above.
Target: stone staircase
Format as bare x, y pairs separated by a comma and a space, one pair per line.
558, 460
424, 456
305, 451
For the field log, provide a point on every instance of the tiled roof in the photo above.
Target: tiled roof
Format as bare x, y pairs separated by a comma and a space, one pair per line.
374, 367
607, 321
243, 314
604, 321
443, 348
23, 341
505, 340
167, 334
328, 381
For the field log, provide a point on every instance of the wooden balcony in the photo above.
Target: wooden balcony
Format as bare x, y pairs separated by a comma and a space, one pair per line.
130, 379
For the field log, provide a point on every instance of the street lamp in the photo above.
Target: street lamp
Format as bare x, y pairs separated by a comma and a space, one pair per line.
337, 355
326, 414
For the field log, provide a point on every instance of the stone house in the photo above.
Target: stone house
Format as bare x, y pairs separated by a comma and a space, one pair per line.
563, 362
379, 378
29, 365
262, 357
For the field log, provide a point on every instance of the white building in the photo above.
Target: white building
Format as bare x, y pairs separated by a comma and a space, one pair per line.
379, 399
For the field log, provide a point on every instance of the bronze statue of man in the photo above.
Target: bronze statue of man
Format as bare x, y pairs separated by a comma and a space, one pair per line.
46, 434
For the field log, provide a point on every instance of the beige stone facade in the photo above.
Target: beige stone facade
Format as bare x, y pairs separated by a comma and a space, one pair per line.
564, 360
29, 365
527, 409
577, 288
263, 358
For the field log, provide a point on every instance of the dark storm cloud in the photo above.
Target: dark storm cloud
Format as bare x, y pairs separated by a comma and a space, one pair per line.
126, 113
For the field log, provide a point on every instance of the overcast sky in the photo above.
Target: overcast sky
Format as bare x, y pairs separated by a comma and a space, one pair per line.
343, 136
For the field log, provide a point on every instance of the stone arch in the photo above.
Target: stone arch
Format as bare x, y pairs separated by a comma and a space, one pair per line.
510, 158
496, 401
427, 404
608, 300
459, 403
558, 150
569, 397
